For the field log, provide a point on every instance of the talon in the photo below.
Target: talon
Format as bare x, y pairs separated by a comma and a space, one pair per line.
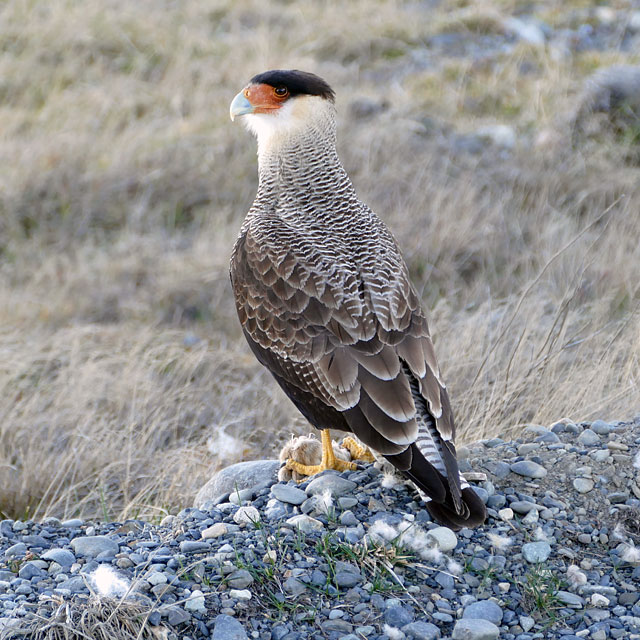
329, 461
357, 451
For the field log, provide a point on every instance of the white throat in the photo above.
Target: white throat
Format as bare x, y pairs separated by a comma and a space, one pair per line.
299, 118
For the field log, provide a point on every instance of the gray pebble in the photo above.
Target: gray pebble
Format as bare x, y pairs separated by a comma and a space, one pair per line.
347, 502
16, 550
240, 579
194, 546
228, 628
583, 485
29, 570
348, 519
421, 631
333, 483
294, 587
589, 438
535, 552
570, 599
485, 610
523, 506
92, 546
475, 629
602, 428
397, 616
529, 469
289, 494
347, 579
63, 557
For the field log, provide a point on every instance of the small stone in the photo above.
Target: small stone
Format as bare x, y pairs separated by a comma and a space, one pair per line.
570, 599
339, 625
294, 587
194, 546
228, 628
243, 595
306, 524
16, 550
443, 538
535, 552
347, 579
332, 482
397, 616
176, 616
617, 497
589, 438
485, 610
506, 514
156, 577
529, 469
195, 602
526, 622
522, 506
600, 455
246, 515
214, 531
63, 557
347, 502
238, 496
29, 570
240, 579
475, 629
348, 519
93, 546
421, 631
583, 485
289, 494
601, 427
600, 601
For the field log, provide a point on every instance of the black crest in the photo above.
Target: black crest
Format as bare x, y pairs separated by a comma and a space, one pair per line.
297, 82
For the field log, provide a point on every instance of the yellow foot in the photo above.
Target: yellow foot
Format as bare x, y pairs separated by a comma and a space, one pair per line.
329, 460
357, 451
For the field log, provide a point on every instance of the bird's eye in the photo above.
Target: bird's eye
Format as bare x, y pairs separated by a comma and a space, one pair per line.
281, 92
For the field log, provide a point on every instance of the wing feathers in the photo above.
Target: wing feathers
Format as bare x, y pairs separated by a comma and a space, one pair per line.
352, 350
392, 396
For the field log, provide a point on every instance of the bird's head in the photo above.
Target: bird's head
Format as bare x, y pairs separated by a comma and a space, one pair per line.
279, 104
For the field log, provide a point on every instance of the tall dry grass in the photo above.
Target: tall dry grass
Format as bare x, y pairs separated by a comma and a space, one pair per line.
124, 380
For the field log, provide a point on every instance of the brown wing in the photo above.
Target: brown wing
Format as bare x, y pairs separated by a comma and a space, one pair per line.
351, 348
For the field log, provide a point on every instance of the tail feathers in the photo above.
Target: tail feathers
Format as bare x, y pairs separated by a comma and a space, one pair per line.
475, 511
450, 505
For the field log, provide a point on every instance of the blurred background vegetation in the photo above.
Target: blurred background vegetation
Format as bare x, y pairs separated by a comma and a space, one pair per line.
472, 128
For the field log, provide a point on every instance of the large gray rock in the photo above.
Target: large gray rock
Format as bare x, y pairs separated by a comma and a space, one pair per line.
239, 476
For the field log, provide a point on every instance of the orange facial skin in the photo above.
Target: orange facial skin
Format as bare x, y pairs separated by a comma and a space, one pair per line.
264, 97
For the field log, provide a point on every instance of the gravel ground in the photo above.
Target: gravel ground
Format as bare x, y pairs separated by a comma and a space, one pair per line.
353, 555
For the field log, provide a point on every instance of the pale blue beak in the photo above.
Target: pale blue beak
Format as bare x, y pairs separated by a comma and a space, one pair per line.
240, 106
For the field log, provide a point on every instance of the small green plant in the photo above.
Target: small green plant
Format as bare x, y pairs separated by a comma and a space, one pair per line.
539, 593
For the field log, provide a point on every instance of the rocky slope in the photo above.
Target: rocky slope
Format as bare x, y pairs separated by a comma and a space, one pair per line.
353, 555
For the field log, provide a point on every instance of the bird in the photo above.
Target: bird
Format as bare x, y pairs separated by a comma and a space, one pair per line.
326, 303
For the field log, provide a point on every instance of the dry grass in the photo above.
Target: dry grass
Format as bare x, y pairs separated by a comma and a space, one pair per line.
124, 380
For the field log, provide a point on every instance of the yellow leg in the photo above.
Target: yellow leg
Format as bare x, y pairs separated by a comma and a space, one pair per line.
357, 451
329, 461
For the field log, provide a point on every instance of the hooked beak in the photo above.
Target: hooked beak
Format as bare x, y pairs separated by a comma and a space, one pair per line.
240, 106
